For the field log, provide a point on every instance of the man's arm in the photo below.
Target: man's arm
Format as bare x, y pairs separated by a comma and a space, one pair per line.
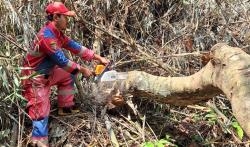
82, 51
56, 54
77, 49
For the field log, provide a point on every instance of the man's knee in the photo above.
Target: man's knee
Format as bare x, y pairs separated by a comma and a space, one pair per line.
39, 108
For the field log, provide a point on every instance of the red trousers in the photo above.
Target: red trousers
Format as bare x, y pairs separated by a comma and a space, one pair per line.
37, 91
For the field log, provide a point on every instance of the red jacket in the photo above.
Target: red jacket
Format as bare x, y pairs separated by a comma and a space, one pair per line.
47, 51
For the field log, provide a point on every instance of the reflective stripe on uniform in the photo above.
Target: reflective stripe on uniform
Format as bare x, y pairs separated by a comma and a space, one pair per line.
68, 67
67, 92
83, 49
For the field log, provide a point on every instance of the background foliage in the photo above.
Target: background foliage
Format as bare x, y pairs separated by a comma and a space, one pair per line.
150, 35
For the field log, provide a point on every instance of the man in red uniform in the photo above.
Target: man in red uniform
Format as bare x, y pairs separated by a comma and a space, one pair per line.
47, 66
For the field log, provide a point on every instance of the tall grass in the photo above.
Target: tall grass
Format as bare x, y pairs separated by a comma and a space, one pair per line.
160, 27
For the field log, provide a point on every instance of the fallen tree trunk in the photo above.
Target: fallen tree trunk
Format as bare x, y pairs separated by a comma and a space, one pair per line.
227, 72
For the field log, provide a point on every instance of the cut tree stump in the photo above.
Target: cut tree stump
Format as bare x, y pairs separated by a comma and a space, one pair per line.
227, 72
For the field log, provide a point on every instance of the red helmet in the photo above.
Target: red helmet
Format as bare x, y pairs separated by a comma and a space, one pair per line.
59, 8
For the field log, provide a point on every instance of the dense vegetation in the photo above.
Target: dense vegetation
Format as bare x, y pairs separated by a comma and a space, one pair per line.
160, 37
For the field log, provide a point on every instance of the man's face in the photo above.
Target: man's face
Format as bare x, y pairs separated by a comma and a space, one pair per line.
61, 22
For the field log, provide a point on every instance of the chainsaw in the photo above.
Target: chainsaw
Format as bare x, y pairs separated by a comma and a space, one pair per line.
107, 74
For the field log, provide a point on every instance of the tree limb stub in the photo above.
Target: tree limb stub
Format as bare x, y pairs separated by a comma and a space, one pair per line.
227, 72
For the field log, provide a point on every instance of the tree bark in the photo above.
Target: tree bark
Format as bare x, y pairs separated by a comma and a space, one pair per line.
97, 45
227, 72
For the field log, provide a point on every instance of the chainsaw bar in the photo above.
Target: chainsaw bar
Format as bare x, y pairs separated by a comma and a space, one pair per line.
113, 75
